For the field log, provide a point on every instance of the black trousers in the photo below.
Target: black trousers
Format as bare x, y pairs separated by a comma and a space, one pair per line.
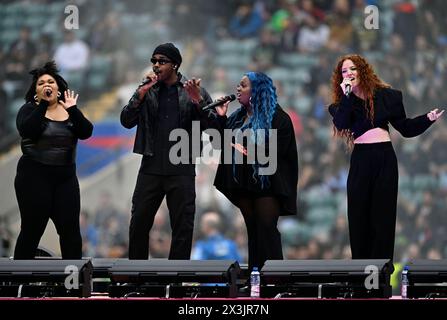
261, 214
47, 192
180, 197
372, 200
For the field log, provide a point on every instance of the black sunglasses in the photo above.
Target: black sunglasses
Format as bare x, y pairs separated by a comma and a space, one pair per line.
160, 61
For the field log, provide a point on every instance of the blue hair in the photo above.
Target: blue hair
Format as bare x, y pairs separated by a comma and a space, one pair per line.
264, 104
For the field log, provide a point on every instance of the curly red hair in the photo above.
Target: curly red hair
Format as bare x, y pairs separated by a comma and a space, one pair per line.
368, 83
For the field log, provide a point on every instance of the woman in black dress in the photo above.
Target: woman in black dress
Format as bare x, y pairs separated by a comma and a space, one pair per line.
260, 195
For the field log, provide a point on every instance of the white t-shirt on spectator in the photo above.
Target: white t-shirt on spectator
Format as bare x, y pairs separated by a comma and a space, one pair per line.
72, 56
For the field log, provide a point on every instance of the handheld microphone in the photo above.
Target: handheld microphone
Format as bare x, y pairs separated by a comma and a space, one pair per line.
348, 89
145, 82
148, 80
214, 104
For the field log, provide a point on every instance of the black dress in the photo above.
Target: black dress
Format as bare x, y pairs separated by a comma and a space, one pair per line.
282, 184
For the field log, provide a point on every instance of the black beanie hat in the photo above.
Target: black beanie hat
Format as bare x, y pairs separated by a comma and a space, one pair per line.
170, 51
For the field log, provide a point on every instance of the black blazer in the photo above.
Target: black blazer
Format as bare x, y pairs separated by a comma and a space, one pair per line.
284, 181
143, 114
351, 114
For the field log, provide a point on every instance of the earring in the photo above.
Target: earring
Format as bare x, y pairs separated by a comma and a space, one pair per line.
35, 98
59, 94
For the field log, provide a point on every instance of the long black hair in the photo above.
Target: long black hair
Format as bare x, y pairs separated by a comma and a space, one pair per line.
49, 68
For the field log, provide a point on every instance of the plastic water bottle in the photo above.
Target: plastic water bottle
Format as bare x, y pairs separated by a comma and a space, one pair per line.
255, 283
405, 283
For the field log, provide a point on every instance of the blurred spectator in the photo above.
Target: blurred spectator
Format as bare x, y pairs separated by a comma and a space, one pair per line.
265, 54
72, 57
338, 235
106, 209
432, 22
110, 225
280, 17
213, 245
288, 37
311, 9
25, 48
364, 39
89, 235
18, 62
72, 54
405, 23
113, 241
247, 21
313, 35
320, 72
341, 29
160, 238
103, 41
44, 49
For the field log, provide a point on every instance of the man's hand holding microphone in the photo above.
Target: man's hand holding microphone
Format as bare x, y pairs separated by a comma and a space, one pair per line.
149, 81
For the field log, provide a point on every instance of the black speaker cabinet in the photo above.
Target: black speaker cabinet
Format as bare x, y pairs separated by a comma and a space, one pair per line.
327, 278
102, 267
45, 278
427, 279
101, 274
174, 278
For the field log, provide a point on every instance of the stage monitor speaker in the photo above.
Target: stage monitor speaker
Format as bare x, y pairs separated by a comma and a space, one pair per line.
174, 278
45, 278
427, 279
101, 274
327, 278
102, 267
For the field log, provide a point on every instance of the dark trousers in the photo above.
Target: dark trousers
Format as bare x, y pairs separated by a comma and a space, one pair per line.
372, 199
148, 195
47, 192
261, 218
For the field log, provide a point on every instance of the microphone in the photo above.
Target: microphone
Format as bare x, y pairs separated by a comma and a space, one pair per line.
145, 82
348, 88
214, 104
148, 80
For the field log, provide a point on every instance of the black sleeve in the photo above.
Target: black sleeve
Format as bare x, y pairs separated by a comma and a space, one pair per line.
398, 118
221, 122
285, 134
341, 113
131, 112
208, 119
81, 126
30, 120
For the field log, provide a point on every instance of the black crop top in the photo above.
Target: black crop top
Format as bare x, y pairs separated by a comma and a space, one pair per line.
351, 114
47, 141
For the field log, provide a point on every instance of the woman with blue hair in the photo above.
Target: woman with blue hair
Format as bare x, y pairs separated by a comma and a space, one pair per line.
262, 195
